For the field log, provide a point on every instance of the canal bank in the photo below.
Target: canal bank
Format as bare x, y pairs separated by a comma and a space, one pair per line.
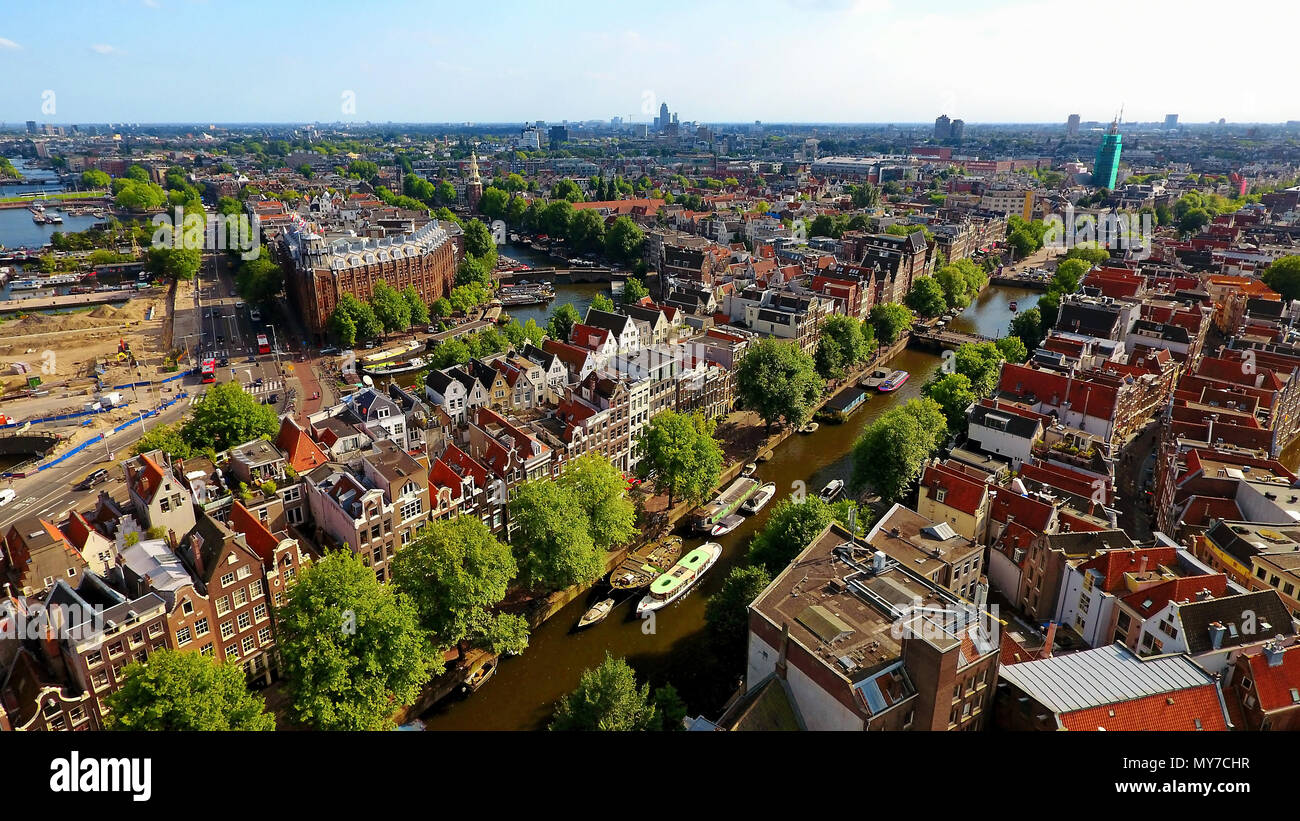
674, 647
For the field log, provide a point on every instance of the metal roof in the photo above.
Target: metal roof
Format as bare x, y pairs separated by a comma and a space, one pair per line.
1105, 675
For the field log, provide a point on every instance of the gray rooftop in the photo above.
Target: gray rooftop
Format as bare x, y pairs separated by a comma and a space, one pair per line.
1105, 675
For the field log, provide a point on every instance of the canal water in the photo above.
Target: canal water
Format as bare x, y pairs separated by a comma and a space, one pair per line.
522, 694
580, 295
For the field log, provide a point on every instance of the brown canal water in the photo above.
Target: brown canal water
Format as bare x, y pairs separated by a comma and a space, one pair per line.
523, 692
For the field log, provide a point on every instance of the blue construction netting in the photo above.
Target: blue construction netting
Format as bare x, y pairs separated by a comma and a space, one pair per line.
100, 437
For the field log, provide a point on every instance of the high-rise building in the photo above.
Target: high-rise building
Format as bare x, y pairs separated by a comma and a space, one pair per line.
956, 130
1072, 125
1171, 121
664, 119
558, 135
942, 127
31, 126
1107, 167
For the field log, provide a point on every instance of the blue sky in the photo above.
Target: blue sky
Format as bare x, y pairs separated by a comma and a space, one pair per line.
772, 60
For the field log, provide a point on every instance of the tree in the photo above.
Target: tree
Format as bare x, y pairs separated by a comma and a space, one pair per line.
473, 270
683, 452
607, 698
788, 530
177, 690
352, 648
552, 538
566, 189
554, 218
166, 438
634, 291
981, 362
927, 297
1012, 349
259, 280
1069, 273
562, 320
365, 324
602, 302
1193, 220
1028, 326
891, 452
601, 491
778, 381
343, 329
623, 240
442, 307
727, 611
174, 263
586, 231
226, 416
392, 311
890, 320
954, 394
455, 572
493, 203
670, 707
94, 179
840, 347
1283, 276
479, 243
415, 303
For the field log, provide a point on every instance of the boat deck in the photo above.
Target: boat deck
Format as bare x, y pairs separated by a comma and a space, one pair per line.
644, 565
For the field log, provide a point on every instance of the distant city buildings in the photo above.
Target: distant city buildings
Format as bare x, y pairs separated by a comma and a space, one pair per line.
1106, 169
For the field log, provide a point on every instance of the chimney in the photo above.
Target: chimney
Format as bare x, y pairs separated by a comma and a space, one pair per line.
1273, 651
1142, 565
1051, 639
785, 645
1217, 631
198, 558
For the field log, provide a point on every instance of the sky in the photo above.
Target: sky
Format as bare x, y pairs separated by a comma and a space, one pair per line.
880, 61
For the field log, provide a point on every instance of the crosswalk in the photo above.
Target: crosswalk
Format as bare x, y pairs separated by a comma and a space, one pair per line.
269, 386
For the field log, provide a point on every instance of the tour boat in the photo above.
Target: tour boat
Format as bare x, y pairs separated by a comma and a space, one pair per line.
760, 499
725, 504
727, 524
894, 382
596, 614
832, 489
674, 584
749, 469
811, 427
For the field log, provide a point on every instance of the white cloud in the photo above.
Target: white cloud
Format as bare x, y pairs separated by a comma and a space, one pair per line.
101, 48
6, 43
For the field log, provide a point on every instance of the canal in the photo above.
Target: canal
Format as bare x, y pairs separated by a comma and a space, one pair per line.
522, 694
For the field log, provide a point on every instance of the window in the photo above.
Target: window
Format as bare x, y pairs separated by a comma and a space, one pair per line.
227, 579
115, 649
411, 509
207, 649
940, 494
241, 597
182, 637
249, 645
255, 590
245, 621
187, 607
1261, 573
201, 627
243, 572
232, 652
94, 658
155, 629
227, 629
223, 605
279, 599
264, 636
259, 612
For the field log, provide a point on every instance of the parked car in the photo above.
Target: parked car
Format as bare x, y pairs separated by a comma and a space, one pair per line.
97, 478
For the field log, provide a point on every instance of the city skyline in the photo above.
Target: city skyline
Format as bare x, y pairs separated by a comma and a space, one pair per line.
876, 63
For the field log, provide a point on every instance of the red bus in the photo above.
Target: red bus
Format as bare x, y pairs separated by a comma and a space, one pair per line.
209, 370
263, 344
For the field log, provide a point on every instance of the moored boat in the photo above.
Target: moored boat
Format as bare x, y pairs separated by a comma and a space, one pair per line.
727, 524
674, 584
760, 499
480, 676
405, 366
832, 490
726, 503
597, 613
643, 565
811, 427
874, 379
894, 382
749, 469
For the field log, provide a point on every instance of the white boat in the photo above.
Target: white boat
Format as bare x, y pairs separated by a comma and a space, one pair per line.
832, 490
679, 579
596, 614
749, 469
727, 524
811, 427
760, 499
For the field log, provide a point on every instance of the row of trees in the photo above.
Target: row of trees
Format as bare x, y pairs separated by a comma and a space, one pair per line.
584, 230
388, 311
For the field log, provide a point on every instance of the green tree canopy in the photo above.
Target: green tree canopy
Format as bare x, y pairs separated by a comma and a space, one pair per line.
634, 291
352, 648
926, 297
981, 363
890, 320
892, 450
365, 325
1028, 326
727, 612
391, 309
552, 537
842, 346
602, 492
954, 394
681, 448
607, 698
778, 381
226, 416
1283, 276
259, 280
178, 690
563, 318
623, 240
788, 530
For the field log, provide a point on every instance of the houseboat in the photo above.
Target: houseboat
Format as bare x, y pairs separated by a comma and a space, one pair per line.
843, 404
893, 382
678, 581
415, 363
726, 503
874, 379
760, 499
641, 566
811, 427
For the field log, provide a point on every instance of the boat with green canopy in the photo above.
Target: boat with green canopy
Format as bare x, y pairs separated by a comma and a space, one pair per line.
679, 579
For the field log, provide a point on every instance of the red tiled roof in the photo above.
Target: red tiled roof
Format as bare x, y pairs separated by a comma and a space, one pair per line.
960, 491
1176, 710
1181, 589
1274, 684
256, 534
302, 453
1116, 563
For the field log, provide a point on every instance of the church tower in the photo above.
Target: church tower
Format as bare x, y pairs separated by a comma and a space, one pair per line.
473, 188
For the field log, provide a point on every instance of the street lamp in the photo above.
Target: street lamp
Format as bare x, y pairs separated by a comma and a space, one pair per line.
275, 348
